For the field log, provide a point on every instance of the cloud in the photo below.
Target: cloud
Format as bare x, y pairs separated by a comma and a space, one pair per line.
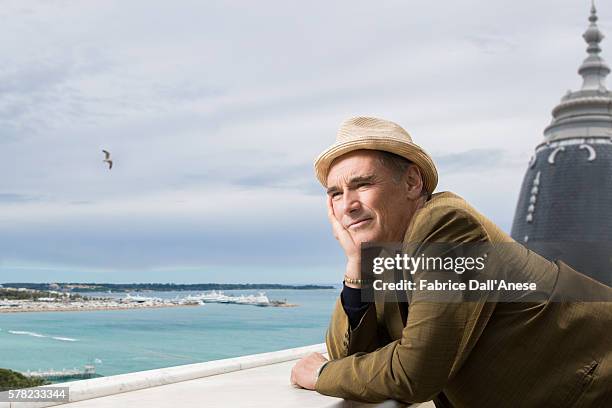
473, 160
16, 198
214, 113
298, 178
491, 43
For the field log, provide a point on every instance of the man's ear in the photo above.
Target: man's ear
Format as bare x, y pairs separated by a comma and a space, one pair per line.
413, 181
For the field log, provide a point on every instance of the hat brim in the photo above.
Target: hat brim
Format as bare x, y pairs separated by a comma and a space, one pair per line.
410, 151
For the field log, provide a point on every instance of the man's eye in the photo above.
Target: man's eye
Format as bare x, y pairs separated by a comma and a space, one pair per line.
362, 185
336, 194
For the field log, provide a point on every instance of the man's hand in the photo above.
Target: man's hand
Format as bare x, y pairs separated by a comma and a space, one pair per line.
305, 370
351, 249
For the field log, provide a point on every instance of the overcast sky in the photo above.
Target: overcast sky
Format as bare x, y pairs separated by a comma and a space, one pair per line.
214, 111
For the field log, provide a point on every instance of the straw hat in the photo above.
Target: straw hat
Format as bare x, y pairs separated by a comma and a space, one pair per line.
376, 134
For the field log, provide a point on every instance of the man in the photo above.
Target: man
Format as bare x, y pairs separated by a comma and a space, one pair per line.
545, 352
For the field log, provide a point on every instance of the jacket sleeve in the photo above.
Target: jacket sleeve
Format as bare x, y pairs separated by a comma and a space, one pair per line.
435, 341
342, 341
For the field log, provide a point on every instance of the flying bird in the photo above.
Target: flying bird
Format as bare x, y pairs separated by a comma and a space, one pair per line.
107, 159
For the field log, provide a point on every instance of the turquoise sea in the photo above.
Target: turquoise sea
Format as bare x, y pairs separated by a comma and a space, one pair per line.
125, 341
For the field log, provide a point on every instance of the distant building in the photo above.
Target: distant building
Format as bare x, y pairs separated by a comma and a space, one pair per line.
564, 209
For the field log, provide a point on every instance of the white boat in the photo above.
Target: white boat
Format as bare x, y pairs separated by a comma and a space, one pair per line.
189, 302
8, 303
242, 300
261, 299
210, 297
138, 299
218, 297
224, 298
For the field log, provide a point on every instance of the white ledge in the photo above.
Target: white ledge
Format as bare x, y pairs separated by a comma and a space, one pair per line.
254, 380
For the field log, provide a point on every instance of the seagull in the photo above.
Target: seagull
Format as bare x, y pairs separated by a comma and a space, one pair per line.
107, 159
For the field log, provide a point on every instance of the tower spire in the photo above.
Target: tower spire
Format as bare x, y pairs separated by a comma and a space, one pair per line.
594, 69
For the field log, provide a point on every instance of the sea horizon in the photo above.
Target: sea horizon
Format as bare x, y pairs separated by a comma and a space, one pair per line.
8, 284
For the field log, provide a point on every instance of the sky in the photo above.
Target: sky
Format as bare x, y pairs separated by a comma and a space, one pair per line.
214, 112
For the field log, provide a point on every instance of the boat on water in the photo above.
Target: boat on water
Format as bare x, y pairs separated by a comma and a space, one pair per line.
219, 297
260, 300
210, 297
9, 303
138, 299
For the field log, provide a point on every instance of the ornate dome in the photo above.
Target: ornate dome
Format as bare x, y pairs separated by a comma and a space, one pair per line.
564, 210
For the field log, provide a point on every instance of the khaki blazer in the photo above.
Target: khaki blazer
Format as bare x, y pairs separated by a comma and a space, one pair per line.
477, 353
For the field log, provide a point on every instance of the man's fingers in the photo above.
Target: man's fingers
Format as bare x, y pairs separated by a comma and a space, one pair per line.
332, 218
293, 378
330, 210
340, 233
338, 228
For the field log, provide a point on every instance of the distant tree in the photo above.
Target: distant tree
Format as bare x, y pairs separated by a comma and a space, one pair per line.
12, 380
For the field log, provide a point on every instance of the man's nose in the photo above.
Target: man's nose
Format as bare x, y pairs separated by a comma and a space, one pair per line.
351, 202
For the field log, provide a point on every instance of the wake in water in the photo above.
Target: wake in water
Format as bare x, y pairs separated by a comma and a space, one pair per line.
33, 334
64, 339
26, 333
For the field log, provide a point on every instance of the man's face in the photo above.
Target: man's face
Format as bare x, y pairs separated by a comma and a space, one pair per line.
366, 199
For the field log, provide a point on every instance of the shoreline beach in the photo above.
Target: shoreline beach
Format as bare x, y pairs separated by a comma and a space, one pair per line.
133, 302
32, 306
88, 308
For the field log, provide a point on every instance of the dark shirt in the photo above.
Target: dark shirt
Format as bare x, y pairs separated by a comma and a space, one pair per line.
353, 306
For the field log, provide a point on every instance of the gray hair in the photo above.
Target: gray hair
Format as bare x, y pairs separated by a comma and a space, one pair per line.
398, 166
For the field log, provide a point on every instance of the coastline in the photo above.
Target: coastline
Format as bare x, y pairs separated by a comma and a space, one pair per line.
25, 306
46, 308
21, 300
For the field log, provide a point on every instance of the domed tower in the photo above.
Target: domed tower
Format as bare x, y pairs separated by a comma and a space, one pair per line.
564, 209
